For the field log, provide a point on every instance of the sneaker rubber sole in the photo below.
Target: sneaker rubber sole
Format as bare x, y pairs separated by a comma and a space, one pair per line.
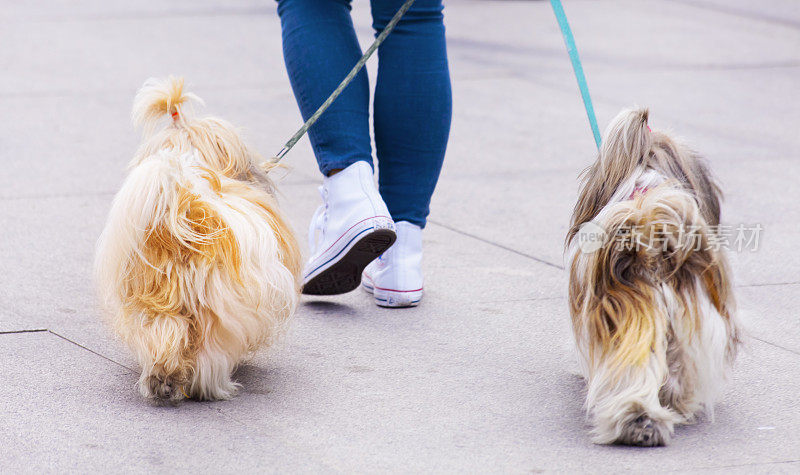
344, 275
391, 298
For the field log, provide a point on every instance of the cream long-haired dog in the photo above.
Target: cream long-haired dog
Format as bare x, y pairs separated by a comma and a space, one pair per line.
650, 293
196, 266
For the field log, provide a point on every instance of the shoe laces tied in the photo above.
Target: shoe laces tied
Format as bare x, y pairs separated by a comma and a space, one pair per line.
319, 222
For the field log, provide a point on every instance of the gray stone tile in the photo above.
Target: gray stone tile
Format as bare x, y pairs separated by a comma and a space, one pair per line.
479, 377
68, 410
479, 387
769, 312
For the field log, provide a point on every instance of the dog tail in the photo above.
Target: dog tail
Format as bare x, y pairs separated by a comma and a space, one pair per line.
217, 140
159, 98
631, 144
659, 238
627, 143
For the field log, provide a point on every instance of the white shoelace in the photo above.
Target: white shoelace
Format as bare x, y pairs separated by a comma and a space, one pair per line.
316, 230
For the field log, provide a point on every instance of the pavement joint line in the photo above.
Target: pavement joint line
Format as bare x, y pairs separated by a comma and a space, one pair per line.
749, 464
32, 330
769, 284
219, 411
43, 330
90, 350
775, 345
501, 246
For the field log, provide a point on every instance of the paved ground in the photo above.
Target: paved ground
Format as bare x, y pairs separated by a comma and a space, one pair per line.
479, 377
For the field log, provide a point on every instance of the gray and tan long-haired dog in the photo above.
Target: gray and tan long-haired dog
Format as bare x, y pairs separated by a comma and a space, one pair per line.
196, 266
651, 300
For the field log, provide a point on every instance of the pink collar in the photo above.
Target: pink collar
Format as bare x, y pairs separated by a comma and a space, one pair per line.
639, 190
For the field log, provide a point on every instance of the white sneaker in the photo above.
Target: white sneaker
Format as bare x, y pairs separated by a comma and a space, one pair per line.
395, 278
349, 230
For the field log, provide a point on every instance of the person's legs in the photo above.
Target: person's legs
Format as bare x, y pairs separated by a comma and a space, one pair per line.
319, 48
412, 112
353, 226
412, 108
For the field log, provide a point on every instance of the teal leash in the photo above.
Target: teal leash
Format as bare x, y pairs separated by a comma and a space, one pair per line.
345, 82
569, 40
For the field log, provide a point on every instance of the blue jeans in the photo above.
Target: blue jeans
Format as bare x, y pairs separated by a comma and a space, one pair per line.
412, 105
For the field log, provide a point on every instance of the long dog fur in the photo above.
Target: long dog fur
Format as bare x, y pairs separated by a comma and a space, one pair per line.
653, 319
196, 266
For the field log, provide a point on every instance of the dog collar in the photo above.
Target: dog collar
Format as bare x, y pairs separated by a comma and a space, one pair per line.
639, 190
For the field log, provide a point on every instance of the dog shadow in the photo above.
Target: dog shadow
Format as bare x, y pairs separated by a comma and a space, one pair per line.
328, 309
257, 379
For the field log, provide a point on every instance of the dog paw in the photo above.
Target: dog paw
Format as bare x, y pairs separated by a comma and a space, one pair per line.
643, 431
162, 388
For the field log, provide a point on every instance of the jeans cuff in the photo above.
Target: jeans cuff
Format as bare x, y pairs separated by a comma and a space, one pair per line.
326, 166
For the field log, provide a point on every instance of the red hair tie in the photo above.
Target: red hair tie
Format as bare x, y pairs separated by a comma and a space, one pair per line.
175, 115
639, 190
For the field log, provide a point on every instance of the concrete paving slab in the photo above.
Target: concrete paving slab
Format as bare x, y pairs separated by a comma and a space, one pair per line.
770, 314
49, 278
88, 154
480, 376
78, 411
389, 391
54, 289
729, 127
